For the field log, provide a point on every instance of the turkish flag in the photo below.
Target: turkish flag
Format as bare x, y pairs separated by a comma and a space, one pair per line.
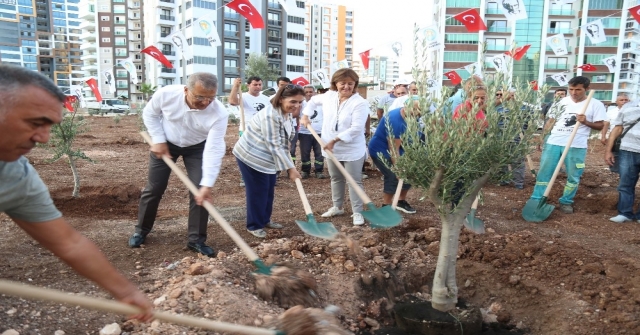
518, 53
364, 56
246, 9
302, 81
93, 83
635, 12
587, 67
454, 77
534, 85
155, 53
472, 20
68, 102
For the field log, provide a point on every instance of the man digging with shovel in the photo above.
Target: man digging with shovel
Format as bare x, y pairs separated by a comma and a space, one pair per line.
562, 119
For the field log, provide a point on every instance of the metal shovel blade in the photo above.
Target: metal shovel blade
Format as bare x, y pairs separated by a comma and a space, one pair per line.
325, 230
384, 217
474, 224
537, 210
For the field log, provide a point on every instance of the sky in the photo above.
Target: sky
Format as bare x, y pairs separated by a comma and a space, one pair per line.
377, 24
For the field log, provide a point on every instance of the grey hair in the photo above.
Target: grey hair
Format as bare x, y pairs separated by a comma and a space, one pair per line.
310, 86
623, 94
14, 78
207, 80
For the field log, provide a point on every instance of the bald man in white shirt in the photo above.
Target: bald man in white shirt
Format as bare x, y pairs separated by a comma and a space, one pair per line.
185, 121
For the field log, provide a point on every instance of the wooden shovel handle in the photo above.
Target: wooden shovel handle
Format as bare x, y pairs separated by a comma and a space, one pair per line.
530, 163
45, 294
568, 146
344, 172
475, 203
303, 197
208, 206
241, 105
396, 196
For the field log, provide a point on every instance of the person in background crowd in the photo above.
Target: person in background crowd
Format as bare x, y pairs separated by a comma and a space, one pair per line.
345, 115
461, 94
387, 100
253, 102
612, 114
562, 119
518, 164
308, 142
557, 96
628, 160
413, 88
184, 121
380, 149
30, 104
262, 151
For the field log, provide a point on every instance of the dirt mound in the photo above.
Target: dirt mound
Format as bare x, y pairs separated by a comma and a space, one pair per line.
103, 202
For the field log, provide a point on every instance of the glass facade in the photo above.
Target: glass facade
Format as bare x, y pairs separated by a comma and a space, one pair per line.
605, 4
529, 31
463, 3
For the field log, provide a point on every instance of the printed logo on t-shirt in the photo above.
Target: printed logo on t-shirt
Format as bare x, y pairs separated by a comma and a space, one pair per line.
570, 120
258, 106
315, 113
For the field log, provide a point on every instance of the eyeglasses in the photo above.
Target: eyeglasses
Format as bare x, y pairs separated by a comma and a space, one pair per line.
200, 98
498, 94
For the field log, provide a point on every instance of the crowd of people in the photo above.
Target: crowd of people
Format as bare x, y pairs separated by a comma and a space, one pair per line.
188, 121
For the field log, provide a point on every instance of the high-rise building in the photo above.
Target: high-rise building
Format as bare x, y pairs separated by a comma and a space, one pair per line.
43, 36
545, 19
282, 40
111, 32
383, 70
329, 35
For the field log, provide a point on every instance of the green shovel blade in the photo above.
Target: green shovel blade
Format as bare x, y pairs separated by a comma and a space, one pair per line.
262, 268
473, 223
537, 210
324, 230
384, 217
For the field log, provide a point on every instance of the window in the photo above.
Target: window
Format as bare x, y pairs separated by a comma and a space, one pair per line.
106, 40
231, 45
204, 4
106, 28
118, 9
247, 42
202, 60
295, 52
300, 4
605, 4
463, 3
295, 19
121, 41
559, 27
612, 41
295, 68
499, 44
561, 63
461, 38
451, 56
596, 59
104, 18
499, 26
230, 63
300, 37
165, 31
274, 19
121, 52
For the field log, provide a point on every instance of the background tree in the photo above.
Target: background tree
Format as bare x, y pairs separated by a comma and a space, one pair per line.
61, 142
258, 65
445, 157
147, 90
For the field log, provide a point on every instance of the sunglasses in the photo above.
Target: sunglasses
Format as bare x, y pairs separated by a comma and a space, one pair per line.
498, 94
292, 86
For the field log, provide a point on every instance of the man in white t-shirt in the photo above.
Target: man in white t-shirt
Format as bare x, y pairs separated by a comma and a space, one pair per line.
612, 115
563, 116
308, 142
253, 102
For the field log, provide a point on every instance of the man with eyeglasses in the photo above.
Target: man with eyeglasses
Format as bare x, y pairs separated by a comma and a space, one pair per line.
185, 121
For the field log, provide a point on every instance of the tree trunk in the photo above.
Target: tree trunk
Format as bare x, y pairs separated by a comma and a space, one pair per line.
445, 289
76, 177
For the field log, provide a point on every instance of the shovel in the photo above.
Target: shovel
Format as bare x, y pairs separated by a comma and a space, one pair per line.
530, 163
262, 268
324, 230
385, 217
538, 210
396, 196
472, 222
241, 105
45, 294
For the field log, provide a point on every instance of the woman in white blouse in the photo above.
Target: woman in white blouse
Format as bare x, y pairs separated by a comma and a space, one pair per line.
262, 151
343, 127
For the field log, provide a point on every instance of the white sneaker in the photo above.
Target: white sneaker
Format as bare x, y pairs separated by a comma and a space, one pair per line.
619, 219
358, 219
333, 211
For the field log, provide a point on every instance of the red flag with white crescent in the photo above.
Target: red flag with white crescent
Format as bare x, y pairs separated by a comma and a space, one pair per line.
534, 85
519, 52
635, 12
302, 81
246, 9
454, 77
93, 84
364, 56
587, 67
68, 102
472, 20
155, 53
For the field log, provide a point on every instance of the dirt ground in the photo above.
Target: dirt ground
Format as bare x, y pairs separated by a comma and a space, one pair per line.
572, 274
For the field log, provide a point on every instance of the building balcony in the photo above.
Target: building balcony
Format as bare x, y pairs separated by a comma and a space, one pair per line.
231, 33
550, 66
277, 23
555, 31
231, 16
167, 18
89, 57
168, 52
133, 5
122, 87
275, 39
86, 13
92, 67
134, 37
167, 74
122, 75
498, 48
498, 30
562, 12
231, 70
89, 36
274, 56
89, 25
231, 52
87, 47
165, 70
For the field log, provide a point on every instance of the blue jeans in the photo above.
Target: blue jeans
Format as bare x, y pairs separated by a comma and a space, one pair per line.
616, 163
259, 191
629, 171
549, 160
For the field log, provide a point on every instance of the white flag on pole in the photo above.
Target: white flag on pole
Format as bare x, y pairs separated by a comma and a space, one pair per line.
595, 31
432, 37
513, 10
500, 63
180, 42
131, 68
210, 31
76, 90
558, 44
343, 64
110, 81
561, 78
611, 63
474, 69
322, 76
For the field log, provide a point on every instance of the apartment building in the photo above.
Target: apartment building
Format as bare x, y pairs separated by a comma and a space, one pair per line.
43, 36
111, 32
382, 70
329, 35
545, 19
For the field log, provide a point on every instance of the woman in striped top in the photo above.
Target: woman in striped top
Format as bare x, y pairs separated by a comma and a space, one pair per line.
262, 151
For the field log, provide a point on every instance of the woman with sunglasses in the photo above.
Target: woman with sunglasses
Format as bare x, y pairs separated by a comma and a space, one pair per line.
262, 151
343, 126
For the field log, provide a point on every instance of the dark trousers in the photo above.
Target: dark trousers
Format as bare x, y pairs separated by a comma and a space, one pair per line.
307, 143
292, 147
157, 183
259, 191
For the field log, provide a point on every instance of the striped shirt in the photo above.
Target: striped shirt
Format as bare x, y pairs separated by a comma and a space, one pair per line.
264, 146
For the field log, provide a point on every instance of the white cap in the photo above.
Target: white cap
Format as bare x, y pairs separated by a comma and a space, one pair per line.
401, 81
